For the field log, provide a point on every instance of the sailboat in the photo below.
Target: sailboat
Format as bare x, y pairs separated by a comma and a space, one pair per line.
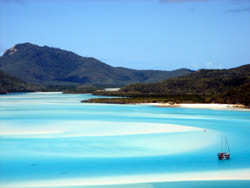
225, 151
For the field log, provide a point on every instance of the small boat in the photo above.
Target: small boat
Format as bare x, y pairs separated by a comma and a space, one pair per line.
225, 151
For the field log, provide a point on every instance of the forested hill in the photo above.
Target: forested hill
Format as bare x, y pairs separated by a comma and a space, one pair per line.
202, 82
222, 85
11, 84
53, 66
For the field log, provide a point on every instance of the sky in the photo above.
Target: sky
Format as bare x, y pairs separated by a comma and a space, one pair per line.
139, 34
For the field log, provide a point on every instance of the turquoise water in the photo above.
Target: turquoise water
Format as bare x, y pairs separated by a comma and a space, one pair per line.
197, 184
46, 136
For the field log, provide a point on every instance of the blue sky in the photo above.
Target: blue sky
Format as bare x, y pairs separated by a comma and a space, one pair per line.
141, 34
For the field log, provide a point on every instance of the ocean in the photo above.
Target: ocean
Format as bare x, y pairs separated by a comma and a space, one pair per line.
50, 139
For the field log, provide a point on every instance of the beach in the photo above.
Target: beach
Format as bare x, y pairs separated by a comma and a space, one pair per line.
202, 106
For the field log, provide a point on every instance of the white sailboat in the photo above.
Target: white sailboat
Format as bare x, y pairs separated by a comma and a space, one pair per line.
225, 151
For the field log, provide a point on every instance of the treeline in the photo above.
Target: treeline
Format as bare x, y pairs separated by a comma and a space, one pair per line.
148, 99
231, 86
202, 82
9, 83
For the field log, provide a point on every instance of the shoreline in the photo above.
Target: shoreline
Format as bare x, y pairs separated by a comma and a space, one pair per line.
167, 102
215, 106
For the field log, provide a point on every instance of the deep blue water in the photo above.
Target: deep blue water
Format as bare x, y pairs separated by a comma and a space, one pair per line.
54, 136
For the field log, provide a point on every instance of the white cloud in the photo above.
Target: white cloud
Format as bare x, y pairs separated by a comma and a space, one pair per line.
209, 64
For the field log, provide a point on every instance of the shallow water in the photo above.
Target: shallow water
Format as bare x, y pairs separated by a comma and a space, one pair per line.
46, 136
194, 184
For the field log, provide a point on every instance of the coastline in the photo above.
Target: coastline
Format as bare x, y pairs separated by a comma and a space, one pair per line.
215, 106
168, 102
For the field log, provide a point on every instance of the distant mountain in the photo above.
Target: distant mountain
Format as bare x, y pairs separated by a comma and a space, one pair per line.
222, 85
53, 66
12, 84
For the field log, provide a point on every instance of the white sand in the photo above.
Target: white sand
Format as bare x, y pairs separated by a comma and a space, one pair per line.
210, 106
241, 174
200, 105
91, 128
109, 139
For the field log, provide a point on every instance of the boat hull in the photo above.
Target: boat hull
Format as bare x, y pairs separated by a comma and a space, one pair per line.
223, 156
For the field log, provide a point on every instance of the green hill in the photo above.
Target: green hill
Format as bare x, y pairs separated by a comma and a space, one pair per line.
238, 95
53, 66
230, 86
11, 84
202, 82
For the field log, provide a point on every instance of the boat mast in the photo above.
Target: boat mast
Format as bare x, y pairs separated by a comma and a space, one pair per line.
221, 146
227, 145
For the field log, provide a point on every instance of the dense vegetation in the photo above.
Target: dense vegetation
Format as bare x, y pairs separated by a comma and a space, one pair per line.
11, 84
53, 66
149, 99
222, 86
202, 82
238, 95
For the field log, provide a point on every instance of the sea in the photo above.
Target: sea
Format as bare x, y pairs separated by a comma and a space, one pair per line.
50, 139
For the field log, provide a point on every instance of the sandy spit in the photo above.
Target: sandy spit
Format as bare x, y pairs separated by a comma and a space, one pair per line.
240, 174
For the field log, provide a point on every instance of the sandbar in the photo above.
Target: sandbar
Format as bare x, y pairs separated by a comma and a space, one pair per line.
239, 174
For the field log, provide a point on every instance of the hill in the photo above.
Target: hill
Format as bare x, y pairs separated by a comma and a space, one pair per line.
238, 95
53, 66
9, 83
230, 86
202, 82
